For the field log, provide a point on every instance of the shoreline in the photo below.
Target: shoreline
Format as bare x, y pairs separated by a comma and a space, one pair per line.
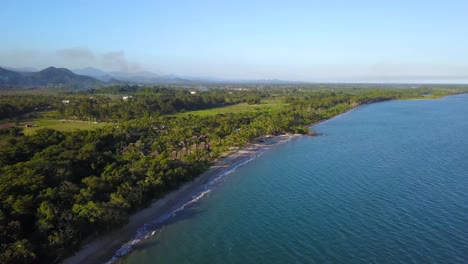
104, 247
310, 126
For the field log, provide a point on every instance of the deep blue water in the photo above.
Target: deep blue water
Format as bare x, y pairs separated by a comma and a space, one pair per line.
387, 183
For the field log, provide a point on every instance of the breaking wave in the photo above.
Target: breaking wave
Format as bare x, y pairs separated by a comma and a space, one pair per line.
157, 225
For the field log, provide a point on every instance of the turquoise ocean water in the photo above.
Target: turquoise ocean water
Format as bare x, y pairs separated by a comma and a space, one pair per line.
386, 183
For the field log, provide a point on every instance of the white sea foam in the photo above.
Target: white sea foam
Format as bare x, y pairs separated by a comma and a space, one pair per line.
224, 174
152, 228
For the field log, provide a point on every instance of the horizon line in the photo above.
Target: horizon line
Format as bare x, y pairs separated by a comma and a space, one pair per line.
216, 79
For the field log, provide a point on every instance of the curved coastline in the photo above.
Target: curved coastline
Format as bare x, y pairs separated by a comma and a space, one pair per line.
119, 242
367, 104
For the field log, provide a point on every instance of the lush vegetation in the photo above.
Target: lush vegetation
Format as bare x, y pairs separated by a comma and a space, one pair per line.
60, 125
269, 105
59, 187
15, 105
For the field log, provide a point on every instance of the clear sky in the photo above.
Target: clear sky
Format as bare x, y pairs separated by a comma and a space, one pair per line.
326, 40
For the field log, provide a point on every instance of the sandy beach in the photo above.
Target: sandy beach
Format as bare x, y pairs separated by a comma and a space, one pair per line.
103, 248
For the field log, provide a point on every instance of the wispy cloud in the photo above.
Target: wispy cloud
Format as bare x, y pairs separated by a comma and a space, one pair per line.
76, 53
114, 60
117, 60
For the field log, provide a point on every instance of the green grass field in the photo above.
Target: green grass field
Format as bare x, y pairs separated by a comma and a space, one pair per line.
266, 105
66, 125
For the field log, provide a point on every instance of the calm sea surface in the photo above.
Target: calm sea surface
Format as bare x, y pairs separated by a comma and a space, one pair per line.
387, 183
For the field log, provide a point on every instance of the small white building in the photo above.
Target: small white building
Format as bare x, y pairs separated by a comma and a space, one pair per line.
193, 92
65, 101
125, 98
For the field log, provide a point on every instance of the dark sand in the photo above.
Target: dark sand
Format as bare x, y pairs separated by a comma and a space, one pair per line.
103, 248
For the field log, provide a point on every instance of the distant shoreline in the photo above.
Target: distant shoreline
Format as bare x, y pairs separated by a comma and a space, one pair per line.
327, 119
104, 247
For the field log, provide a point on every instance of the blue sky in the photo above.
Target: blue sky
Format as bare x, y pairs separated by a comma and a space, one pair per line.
383, 41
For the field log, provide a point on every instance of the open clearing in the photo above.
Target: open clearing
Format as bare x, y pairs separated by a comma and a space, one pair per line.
61, 125
270, 105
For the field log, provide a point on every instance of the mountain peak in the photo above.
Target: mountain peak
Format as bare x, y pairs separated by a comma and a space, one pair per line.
50, 76
54, 69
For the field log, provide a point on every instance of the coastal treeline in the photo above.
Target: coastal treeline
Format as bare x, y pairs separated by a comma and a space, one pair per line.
60, 188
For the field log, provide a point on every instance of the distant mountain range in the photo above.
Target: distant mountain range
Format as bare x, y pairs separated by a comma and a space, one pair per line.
90, 77
143, 77
146, 77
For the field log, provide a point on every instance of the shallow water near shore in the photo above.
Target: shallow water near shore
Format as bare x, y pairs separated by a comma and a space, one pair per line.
387, 183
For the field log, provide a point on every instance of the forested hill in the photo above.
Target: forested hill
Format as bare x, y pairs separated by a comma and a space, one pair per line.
50, 76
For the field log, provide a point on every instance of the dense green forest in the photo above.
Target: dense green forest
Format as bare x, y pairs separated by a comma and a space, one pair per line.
59, 188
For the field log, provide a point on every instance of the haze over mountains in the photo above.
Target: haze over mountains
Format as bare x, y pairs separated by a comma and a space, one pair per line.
90, 77
136, 77
147, 77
